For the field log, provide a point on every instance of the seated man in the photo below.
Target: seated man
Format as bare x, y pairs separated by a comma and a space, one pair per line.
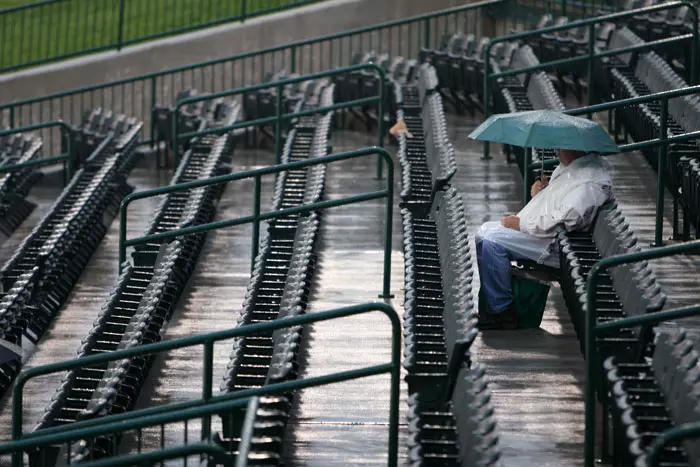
578, 187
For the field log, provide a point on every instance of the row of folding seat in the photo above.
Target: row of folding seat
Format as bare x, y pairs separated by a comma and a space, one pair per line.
142, 302
191, 117
450, 417
650, 396
529, 91
365, 84
266, 440
664, 24
279, 287
40, 275
15, 186
642, 405
427, 156
649, 73
462, 432
624, 291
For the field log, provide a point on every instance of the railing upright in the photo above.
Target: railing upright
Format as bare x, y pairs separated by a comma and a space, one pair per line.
257, 217
593, 328
68, 157
202, 408
279, 116
662, 142
591, 55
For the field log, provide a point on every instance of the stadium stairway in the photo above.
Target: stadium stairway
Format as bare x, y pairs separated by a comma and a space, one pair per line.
347, 424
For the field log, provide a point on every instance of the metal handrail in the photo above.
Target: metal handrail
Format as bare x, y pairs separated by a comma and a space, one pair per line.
662, 142
593, 328
150, 80
279, 117
258, 216
68, 157
216, 453
591, 55
208, 404
125, 20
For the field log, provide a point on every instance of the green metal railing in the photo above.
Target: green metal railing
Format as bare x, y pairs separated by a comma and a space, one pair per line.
258, 216
571, 8
211, 451
594, 329
662, 142
678, 433
51, 30
67, 158
279, 116
591, 54
209, 404
137, 96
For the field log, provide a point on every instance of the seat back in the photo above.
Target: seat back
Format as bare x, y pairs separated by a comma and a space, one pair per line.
542, 94
524, 57
635, 283
676, 366
456, 264
475, 420
621, 38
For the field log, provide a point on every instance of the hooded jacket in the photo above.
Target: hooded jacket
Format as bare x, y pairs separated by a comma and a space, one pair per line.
572, 197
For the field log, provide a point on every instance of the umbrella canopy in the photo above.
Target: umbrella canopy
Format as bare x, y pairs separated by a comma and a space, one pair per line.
545, 129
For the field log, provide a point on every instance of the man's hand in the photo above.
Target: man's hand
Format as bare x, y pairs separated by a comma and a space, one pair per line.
511, 222
538, 186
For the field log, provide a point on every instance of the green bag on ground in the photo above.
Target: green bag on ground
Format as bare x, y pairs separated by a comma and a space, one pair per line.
530, 298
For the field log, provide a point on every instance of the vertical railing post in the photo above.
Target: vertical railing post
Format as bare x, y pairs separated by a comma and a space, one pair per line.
527, 159
12, 116
293, 60
207, 385
122, 231
244, 10
174, 142
120, 26
70, 149
563, 8
395, 391
153, 109
278, 127
694, 49
256, 223
389, 221
591, 357
17, 418
380, 122
426, 38
661, 176
487, 94
591, 52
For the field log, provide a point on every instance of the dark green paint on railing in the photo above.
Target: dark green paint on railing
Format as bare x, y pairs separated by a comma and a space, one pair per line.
137, 96
68, 158
206, 406
593, 328
52, 30
591, 54
662, 142
279, 117
257, 217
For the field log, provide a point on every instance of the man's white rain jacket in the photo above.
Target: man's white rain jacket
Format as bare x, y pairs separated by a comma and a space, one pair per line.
572, 198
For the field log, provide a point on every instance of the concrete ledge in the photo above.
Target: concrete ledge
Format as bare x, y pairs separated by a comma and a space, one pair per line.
320, 19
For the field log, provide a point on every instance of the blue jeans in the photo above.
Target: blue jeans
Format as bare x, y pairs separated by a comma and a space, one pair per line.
493, 259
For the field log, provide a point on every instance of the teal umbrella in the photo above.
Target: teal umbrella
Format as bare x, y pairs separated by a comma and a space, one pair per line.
545, 129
